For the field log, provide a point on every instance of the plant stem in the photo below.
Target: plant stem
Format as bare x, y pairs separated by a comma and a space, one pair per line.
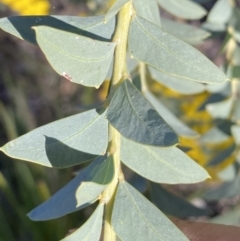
121, 37
119, 74
108, 195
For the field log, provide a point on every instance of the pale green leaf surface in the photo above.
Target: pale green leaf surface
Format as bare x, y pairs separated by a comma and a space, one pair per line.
225, 109
99, 178
178, 126
229, 218
214, 27
136, 119
236, 56
214, 98
237, 36
185, 32
220, 109
63, 143
79, 59
236, 133
238, 157
214, 135
136, 218
131, 64
226, 190
222, 87
220, 13
228, 173
148, 10
64, 201
92, 27
173, 205
115, 8
163, 165
182, 86
235, 21
236, 111
91, 229
183, 8
148, 43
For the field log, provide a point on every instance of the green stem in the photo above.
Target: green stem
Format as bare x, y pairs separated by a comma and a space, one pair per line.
120, 73
108, 195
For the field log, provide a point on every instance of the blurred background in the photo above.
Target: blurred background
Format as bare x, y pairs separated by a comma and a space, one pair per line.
32, 94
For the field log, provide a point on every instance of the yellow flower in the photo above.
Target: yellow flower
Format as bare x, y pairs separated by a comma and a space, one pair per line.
28, 7
199, 120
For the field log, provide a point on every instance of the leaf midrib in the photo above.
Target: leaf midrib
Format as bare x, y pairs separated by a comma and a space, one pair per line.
76, 57
158, 42
140, 213
65, 140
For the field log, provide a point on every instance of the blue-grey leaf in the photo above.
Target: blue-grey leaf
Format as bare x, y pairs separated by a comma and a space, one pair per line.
236, 134
63, 143
220, 13
229, 218
115, 8
183, 8
178, 126
227, 174
91, 230
161, 164
214, 27
226, 190
213, 136
138, 182
136, 119
65, 201
173, 205
79, 59
92, 27
135, 218
150, 44
148, 10
186, 32
220, 109
182, 86
99, 177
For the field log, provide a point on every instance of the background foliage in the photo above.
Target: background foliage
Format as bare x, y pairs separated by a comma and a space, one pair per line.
28, 100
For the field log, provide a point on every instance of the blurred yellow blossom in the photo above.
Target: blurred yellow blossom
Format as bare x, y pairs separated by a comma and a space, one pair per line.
199, 120
28, 7
190, 112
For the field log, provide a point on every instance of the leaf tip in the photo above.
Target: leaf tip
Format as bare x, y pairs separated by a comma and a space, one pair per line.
205, 176
30, 215
2, 149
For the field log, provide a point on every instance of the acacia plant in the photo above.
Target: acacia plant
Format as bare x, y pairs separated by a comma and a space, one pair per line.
131, 126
